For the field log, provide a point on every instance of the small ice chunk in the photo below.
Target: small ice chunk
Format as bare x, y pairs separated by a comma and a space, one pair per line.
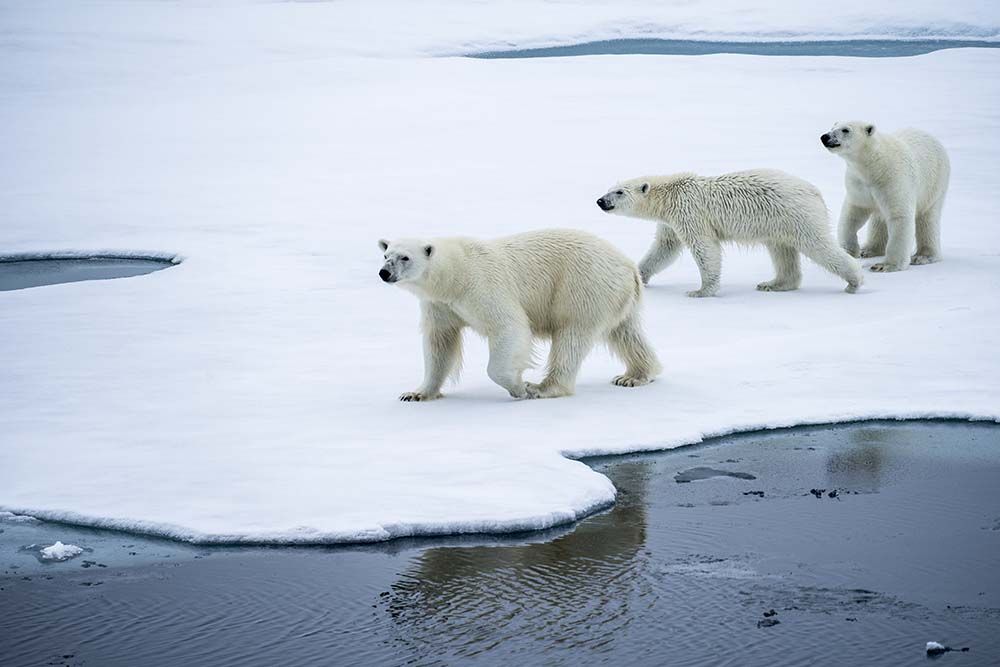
934, 648
60, 551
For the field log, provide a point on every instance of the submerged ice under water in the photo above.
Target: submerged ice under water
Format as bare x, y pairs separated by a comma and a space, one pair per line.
908, 550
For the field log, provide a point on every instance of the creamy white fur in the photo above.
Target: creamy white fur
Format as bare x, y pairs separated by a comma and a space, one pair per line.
564, 285
770, 207
899, 182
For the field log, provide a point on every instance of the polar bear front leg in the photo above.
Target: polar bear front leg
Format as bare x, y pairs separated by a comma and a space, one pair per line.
901, 225
510, 355
878, 237
442, 351
707, 255
665, 249
852, 218
787, 269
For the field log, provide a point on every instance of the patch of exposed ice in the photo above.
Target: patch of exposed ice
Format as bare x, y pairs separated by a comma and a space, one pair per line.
60, 551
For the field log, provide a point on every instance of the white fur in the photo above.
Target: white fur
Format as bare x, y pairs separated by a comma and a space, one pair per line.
564, 285
899, 182
765, 206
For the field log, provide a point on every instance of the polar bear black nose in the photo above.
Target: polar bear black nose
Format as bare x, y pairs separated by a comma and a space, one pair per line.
603, 203
825, 138
384, 275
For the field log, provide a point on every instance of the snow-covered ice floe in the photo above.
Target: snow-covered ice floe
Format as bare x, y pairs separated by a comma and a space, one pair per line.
60, 551
249, 393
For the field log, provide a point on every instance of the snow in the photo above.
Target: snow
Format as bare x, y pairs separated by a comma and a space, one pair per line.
60, 551
248, 394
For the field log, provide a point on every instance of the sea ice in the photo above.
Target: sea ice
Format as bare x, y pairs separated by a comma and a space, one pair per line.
249, 393
60, 551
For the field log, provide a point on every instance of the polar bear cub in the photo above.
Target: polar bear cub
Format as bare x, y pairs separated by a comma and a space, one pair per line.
899, 181
784, 213
564, 285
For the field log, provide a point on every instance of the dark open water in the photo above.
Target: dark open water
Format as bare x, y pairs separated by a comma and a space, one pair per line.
860, 48
677, 572
22, 274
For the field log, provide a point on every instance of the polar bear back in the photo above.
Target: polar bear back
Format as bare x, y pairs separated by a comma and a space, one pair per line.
920, 160
749, 206
567, 278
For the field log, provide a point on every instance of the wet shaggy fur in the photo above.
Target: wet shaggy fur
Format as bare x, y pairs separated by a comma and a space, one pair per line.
897, 184
762, 206
564, 285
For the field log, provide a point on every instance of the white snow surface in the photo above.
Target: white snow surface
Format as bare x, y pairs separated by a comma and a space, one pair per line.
249, 393
60, 551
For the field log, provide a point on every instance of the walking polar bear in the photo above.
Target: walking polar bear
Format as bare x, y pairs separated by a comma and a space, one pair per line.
565, 285
766, 206
899, 181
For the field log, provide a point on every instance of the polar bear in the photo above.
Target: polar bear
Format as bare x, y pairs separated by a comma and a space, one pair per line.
899, 181
564, 285
766, 206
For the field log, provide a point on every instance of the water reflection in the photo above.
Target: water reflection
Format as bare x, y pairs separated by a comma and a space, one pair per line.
580, 587
862, 465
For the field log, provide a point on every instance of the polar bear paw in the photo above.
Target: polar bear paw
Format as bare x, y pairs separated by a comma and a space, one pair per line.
417, 396
629, 381
776, 286
870, 251
544, 390
701, 293
885, 267
923, 259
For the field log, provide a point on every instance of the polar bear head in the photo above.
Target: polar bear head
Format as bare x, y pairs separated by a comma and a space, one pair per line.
406, 260
849, 138
626, 198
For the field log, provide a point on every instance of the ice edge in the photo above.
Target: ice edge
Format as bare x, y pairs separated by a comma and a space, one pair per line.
304, 535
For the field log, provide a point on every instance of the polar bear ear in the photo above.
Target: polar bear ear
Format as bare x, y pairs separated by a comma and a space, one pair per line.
869, 130
428, 250
644, 188
383, 244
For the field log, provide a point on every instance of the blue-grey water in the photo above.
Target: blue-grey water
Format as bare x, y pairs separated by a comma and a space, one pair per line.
22, 274
860, 48
862, 541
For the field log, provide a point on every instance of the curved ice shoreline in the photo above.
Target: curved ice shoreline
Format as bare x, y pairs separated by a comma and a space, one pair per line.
44, 255
251, 394
304, 536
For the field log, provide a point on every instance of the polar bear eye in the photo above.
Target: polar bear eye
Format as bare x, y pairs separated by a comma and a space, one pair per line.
620, 192
405, 259
846, 130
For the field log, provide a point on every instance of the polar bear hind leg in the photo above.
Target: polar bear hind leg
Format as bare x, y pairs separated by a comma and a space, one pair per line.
929, 234
628, 342
836, 260
787, 271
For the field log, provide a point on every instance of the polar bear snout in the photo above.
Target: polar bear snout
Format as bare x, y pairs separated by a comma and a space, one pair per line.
386, 276
605, 204
828, 140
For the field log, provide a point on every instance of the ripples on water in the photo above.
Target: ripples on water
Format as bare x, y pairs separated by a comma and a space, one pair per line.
674, 573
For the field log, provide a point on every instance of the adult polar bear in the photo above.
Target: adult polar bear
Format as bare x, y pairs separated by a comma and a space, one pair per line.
766, 206
899, 181
565, 285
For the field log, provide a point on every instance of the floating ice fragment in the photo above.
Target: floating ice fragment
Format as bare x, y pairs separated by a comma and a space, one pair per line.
60, 551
